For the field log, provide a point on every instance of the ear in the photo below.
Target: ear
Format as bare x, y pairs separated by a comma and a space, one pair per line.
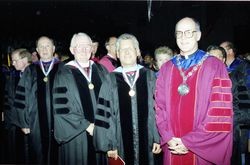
198, 36
107, 47
138, 52
54, 48
230, 51
72, 50
117, 54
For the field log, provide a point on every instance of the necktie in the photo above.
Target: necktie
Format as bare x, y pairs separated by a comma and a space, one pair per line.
131, 76
86, 70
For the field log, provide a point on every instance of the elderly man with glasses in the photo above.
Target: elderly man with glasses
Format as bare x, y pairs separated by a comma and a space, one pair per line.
194, 103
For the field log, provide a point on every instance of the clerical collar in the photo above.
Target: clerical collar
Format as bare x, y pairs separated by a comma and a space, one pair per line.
189, 56
191, 61
128, 69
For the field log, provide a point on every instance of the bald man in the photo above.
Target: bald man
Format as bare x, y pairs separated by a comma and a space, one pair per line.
194, 103
34, 106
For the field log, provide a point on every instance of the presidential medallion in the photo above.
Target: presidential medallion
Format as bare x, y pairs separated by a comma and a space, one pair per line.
183, 89
45, 79
131, 92
91, 86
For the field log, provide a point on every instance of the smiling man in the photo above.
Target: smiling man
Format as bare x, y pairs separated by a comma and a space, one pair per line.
194, 103
125, 120
76, 88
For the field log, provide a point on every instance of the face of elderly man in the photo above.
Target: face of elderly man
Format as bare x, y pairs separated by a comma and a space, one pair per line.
187, 36
18, 62
45, 49
162, 58
217, 53
81, 48
127, 53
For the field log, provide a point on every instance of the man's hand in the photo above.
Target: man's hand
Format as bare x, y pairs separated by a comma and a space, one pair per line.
156, 148
177, 147
25, 130
113, 154
90, 129
172, 142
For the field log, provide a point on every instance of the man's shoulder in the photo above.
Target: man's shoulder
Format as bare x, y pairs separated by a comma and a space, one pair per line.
212, 60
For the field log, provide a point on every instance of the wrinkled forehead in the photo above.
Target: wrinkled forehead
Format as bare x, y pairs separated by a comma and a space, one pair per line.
82, 40
112, 40
15, 54
162, 55
185, 24
44, 40
126, 43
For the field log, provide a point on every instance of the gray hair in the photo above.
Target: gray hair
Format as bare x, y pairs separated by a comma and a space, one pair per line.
76, 36
127, 36
22, 52
163, 50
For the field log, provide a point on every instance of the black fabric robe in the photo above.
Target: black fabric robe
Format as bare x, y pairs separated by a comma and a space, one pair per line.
127, 123
13, 137
33, 102
74, 109
241, 106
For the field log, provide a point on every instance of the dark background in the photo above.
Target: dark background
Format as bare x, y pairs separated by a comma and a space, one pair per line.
22, 22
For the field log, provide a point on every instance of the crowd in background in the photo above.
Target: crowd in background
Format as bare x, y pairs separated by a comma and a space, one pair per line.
51, 118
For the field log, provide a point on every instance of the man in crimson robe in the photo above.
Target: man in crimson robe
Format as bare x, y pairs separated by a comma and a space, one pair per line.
194, 103
110, 61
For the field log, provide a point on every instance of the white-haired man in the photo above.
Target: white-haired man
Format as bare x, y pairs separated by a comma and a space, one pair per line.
76, 88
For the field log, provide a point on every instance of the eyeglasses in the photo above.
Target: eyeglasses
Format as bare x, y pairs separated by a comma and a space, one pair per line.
84, 46
127, 50
15, 61
187, 34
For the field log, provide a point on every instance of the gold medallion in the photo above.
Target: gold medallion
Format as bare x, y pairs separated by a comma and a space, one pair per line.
45, 79
131, 92
91, 86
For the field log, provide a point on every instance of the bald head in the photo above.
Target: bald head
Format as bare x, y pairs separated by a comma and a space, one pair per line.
187, 21
187, 32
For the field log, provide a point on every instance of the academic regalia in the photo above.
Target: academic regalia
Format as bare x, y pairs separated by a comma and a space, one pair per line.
236, 62
202, 118
241, 100
5, 72
74, 109
127, 123
109, 63
14, 138
34, 107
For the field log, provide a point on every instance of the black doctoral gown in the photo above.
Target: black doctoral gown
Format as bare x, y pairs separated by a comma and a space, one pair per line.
74, 109
241, 105
127, 123
14, 138
33, 102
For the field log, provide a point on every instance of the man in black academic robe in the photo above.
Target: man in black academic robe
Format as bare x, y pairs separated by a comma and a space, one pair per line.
125, 118
33, 102
241, 105
75, 91
15, 143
